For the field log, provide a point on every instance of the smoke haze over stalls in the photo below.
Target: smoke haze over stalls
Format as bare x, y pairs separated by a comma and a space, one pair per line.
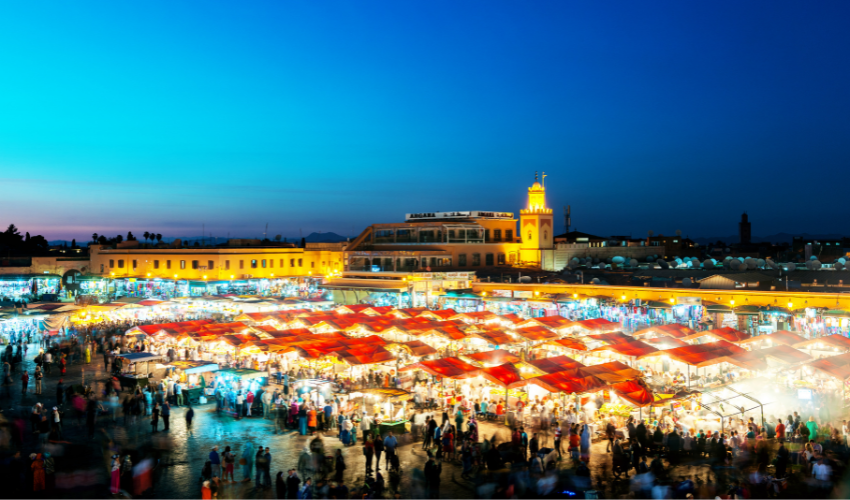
330, 116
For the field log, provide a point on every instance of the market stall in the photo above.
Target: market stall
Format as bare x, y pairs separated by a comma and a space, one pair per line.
196, 375
129, 376
381, 401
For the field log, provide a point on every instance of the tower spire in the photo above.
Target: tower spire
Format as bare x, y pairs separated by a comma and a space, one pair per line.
535, 176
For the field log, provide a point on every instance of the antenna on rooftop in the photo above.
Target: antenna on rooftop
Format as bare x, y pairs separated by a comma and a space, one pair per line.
567, 220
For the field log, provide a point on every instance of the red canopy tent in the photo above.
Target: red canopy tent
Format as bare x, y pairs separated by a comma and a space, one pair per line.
506, 375
568, 383
445, 367
569, 343
632, 348
674, 330
419, 348
836, 366
612, 372
635, 393
664, 343
701, 355
836, 341
497, 357
598, 325
611, 337
555, 364
782, 337
536, 333
726, 333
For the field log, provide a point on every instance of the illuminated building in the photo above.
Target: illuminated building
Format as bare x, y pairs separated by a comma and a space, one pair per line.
433, 241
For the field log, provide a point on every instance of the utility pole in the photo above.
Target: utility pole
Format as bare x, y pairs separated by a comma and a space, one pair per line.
567, 220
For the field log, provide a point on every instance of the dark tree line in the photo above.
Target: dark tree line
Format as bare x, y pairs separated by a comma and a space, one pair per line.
13, 242
103, 240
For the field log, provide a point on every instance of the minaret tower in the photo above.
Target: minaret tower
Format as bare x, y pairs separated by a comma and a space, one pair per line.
536, 223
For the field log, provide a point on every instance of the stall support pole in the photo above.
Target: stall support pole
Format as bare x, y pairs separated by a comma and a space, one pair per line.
689, 376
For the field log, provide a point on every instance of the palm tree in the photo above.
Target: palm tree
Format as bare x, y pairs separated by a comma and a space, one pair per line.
158, 238
94, 237
146, 235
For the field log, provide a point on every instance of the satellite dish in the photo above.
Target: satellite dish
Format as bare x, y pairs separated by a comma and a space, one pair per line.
790, 267
838, 266
760, 263
525, 279
687, 282
633, 263
663, 264
595, 281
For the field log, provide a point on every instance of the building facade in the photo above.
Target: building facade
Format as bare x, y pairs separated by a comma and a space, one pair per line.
468, 240
219, 263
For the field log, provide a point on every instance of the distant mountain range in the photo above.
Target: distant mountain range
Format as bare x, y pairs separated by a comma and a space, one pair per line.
311, 238
773, 238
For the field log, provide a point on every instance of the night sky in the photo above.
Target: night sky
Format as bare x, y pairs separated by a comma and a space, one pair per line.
329, 116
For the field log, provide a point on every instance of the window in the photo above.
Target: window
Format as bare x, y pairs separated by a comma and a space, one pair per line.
253, 263
241, 264
529, 236
313, 265
300, 262
227, 264
111, 263
291, 262
545, 235
263, 263
476, 259
101, 268
195, 264
509, 234
281, 262
461, 259
134, 264
182, 264
156, 264
168, 264
121, 263
486, 235
497, 235
488, 259
210, 264
501, 259
271, 263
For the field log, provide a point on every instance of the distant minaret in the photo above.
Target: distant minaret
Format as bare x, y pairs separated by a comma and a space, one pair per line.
567, 219
744, 231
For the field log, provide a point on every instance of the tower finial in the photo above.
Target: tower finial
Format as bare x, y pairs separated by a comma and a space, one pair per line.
543, 180
535, 176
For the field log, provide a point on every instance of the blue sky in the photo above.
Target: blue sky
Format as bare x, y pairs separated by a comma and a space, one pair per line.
328, 116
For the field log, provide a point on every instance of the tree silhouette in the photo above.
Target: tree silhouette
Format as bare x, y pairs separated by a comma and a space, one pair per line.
94, 238
146, 235
102, 240
73, 243
119, 238
303, 242
130, 236
158, 238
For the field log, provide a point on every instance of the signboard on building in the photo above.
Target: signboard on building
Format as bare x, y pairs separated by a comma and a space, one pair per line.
689, 301
523, 294
457, 276
500, 293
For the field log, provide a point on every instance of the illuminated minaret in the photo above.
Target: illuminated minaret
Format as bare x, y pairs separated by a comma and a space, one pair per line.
536, 223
